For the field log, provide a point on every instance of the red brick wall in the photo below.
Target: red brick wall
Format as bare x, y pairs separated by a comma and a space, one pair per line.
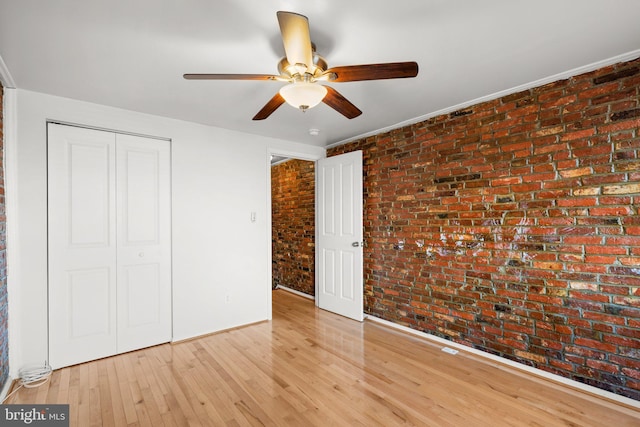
293, 224
513, 226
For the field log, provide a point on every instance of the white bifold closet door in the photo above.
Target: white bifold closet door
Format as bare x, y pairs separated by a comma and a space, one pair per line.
109, 237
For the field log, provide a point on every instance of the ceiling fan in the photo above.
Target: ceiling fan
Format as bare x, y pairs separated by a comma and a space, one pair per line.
303, 69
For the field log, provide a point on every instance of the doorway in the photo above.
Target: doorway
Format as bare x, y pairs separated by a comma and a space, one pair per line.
276, 156
293, 225
338, 260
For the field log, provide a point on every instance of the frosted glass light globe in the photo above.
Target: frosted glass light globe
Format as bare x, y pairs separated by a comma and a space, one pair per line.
303, 95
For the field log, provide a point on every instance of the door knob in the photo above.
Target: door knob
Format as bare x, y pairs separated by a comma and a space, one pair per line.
355, 244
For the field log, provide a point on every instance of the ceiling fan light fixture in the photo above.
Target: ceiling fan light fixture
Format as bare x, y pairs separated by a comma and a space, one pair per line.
303, 95
304, 68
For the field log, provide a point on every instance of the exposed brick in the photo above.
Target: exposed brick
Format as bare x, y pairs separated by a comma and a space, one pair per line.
631, 71
568, 136
526, 210
576, 172
293, 225
554, 130
623, 115
619, 126
633, 188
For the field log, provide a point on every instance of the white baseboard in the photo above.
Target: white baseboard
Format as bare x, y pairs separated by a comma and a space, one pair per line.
503, 361
497, 359
293, 291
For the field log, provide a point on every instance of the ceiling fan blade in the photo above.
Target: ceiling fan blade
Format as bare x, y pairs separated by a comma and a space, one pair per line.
269, 107
230, 77
341, 104
296, 39
390, 70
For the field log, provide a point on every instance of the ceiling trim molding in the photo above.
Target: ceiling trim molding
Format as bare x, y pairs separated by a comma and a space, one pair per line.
541, 82
5, 76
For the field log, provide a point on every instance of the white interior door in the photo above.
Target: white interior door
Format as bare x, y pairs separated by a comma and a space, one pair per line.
82, 245
339, 235
109, 243
143, 242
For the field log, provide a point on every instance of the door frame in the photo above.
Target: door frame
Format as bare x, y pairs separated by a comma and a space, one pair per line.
292, 154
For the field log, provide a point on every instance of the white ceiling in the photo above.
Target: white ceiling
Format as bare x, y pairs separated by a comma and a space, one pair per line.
132, 54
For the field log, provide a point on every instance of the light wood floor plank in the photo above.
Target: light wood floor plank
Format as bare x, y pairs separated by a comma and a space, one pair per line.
308, 367
63, 392
95, 397
108, 404
83, 402
112, 381
74, 394
124, 391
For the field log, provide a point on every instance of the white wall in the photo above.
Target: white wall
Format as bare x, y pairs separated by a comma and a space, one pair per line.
221, 265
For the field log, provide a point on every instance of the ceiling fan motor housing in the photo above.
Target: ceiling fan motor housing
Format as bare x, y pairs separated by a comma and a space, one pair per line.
313, 72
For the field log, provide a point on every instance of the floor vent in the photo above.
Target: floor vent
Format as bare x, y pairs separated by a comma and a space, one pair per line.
449, 350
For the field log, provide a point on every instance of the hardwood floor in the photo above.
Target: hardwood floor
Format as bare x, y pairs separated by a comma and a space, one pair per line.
308, 367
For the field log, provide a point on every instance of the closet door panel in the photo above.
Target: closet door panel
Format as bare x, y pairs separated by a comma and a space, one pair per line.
82, 245
144, 246
89, 320
141, 285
